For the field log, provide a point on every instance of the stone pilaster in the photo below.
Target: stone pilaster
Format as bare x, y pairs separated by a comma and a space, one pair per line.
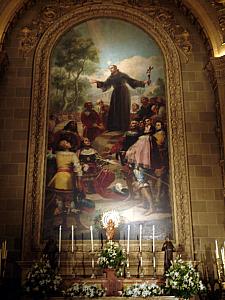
216, 72
4, 62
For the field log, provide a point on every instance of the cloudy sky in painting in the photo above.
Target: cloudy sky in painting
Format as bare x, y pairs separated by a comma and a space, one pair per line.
124, 45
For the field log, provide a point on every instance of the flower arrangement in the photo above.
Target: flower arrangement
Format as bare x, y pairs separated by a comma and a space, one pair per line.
41, 280
182, 280
112, 256
143, 290
84, 290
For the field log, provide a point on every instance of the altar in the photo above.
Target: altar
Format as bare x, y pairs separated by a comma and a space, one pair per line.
111, 268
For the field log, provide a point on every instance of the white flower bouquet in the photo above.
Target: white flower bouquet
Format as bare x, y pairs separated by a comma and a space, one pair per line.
112, 256
41, 280
182, 280
84, 290
143, 290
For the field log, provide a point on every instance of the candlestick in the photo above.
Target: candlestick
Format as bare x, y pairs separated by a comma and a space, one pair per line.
140, 237
128, 239
207, 273
128, 267
4, 251
93, 264
101, 241
223, 257
141, 270
92, 244
154, 264
72, 237
153, 238
60, 237
217, 251
128, 263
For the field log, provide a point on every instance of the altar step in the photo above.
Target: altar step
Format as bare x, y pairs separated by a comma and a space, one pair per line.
115, 298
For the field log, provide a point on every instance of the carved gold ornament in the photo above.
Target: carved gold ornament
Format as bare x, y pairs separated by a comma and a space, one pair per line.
50, 14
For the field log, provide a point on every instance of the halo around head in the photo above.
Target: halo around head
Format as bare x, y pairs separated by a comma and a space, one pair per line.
110, 215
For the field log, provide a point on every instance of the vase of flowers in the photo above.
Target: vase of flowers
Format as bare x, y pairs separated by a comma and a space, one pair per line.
83, 290
143, 290
42, 281
112, 257
182, 280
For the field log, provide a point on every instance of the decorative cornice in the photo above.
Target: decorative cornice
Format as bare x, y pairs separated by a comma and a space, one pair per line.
50, 13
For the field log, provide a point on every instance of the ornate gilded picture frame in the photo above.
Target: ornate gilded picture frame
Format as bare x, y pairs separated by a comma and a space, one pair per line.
50, 202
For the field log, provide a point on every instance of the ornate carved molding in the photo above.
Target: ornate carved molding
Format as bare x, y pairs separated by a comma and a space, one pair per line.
16, 9
190, 14
50, 13
207, 24
180, 193
216, 71
219, 69
219, 6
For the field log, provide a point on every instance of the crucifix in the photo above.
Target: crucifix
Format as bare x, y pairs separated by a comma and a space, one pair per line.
148, 72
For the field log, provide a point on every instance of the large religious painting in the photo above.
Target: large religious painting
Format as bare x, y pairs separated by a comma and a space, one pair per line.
107, 145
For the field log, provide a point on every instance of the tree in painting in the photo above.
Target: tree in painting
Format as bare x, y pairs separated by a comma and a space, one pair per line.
74, 58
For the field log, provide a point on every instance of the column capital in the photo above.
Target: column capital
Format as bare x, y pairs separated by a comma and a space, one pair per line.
218, 64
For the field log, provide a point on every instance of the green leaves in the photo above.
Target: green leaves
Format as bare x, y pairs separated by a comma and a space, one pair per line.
182, 280
41, 280
74, 58
84, 290
112, 256
143, 290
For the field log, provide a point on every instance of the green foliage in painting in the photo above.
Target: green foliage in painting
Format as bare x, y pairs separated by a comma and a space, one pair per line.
74, 58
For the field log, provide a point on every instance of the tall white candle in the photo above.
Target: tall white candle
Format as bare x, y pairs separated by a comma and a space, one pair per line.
217, 250
140, 237
128, 239
60, 237
72, 237
153, 238
92, 244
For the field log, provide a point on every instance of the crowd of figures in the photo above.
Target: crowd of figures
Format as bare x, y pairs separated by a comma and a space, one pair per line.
76, 169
